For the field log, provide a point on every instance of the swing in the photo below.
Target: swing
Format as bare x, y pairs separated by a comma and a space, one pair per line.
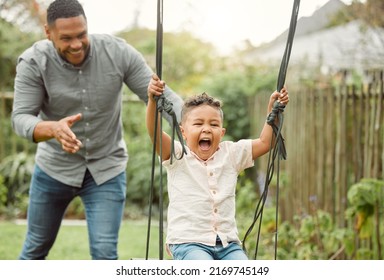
274, 119
279, 148
162, 104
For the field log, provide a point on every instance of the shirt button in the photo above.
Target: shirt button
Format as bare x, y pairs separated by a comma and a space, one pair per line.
80, 72
215, 210
87, 124
86, 108
87, 139
211, 174
214, 192
84, 90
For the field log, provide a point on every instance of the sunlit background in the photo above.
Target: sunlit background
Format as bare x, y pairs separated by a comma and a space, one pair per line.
225, 23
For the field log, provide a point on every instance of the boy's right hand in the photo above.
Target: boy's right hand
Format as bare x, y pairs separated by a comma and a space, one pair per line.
155, 87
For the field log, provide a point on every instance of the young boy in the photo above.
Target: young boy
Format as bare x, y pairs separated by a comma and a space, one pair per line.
202, 184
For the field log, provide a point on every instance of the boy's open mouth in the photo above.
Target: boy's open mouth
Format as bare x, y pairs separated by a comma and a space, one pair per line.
205, 144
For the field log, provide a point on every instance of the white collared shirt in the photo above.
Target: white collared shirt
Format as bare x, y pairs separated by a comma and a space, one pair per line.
202, 194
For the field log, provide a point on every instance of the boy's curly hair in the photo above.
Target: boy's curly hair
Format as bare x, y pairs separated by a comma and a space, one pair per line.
198, 100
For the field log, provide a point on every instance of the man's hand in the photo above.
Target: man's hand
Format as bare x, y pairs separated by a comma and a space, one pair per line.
62, 132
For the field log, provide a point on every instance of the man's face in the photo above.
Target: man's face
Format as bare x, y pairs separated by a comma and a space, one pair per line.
70, 38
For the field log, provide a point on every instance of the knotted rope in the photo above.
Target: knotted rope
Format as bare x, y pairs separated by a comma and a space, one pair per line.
162, 105
275, 119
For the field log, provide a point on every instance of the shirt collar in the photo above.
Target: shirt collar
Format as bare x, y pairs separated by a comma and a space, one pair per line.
210, 158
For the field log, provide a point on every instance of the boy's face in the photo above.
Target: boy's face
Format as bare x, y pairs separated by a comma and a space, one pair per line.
70, 38
203, 130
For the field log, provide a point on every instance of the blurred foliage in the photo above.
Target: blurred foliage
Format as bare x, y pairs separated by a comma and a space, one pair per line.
12, 43
314, 237
363, 197
186, 59
140, 160
27, 15
369, 11
3, 195
16, 171
366, 199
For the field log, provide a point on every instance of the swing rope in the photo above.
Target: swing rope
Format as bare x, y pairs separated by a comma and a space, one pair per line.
275, 119
162, 105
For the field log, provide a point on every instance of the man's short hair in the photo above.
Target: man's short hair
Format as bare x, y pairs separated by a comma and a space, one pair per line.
64, 9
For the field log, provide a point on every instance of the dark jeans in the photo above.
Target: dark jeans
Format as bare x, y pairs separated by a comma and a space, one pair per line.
48, 200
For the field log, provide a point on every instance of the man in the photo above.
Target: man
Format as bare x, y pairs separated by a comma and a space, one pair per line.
68, 92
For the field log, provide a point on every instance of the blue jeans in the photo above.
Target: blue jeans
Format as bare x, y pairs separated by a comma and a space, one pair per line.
197, 251
48, 200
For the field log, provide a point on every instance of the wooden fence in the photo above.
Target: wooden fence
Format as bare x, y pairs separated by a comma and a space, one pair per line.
334, 137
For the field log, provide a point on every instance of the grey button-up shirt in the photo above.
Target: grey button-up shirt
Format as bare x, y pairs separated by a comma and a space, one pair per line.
48, 88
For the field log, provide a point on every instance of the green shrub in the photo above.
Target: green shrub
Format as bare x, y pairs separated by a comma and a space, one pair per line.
16, 171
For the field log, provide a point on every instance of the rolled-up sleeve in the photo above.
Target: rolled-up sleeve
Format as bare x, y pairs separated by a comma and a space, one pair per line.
138, 77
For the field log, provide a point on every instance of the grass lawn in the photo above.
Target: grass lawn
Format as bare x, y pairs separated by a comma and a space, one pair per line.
72, 241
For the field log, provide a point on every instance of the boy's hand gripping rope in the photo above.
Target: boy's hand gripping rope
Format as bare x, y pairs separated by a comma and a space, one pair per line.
162, 105
275, 119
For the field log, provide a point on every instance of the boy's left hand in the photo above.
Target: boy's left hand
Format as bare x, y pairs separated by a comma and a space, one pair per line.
283, 96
